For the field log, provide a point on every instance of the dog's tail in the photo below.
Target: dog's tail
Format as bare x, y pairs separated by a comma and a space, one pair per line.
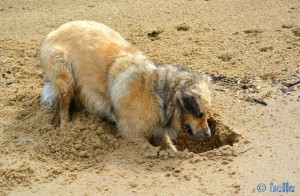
49, 96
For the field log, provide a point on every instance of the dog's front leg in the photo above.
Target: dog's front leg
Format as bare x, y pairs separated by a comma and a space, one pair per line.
162, 139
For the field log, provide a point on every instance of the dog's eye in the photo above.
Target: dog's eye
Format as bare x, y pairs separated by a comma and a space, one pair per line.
200, 115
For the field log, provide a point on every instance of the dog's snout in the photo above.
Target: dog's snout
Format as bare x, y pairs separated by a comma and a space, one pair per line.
207, 133
203, 134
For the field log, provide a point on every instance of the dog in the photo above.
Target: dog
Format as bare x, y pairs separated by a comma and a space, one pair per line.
88, 62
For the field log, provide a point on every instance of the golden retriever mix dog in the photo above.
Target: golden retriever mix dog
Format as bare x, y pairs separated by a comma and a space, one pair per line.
90, 63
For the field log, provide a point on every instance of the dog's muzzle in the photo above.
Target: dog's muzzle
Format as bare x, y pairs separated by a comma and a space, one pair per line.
199, 135
203, 134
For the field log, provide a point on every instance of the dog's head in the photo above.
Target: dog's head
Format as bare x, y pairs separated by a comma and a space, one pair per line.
195, 100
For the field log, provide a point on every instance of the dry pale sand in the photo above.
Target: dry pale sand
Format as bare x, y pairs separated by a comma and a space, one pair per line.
252, 50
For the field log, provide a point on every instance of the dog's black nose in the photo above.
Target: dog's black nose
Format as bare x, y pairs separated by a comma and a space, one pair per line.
206, 134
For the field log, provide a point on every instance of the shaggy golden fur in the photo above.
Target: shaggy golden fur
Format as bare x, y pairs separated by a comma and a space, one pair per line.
90, 63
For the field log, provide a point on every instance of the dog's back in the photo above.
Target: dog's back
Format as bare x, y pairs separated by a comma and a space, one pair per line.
76, 59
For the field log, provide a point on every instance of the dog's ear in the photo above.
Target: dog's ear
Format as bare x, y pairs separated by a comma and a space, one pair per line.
189, 104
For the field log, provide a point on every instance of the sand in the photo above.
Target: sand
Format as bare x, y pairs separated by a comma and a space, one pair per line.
250, 48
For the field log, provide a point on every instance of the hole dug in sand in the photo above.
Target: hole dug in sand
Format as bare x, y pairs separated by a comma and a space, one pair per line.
221, 135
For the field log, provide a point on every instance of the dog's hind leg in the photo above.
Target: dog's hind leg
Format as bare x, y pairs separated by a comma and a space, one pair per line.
58, 91
65, 96
50, 100
58, 99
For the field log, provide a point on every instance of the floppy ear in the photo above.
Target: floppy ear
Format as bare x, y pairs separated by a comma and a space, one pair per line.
189, 103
